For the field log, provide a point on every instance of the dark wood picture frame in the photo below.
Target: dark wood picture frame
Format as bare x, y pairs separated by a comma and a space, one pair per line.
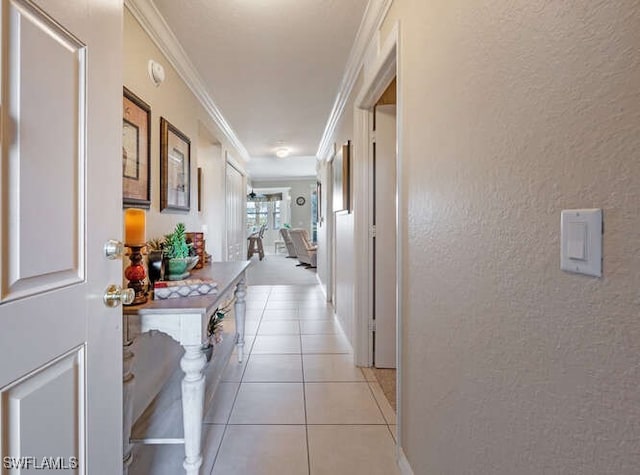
342, 179
175, 168
136, 151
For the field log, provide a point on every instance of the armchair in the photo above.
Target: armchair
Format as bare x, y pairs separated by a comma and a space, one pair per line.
306, 253
291, 250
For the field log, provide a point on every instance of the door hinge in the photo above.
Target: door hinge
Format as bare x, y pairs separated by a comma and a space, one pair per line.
372, 231
372, 325
372, 136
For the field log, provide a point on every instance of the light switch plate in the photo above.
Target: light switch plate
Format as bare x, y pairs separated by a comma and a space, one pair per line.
581, 242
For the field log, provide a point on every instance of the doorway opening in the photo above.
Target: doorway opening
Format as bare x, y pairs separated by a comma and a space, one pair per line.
380, 228
383, 241
271, 208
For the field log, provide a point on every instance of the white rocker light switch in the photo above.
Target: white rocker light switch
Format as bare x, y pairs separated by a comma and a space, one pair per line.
581, 243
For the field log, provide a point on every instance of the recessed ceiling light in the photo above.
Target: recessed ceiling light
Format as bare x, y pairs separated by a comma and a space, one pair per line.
282, 152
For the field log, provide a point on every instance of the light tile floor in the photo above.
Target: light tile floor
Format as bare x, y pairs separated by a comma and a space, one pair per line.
298, 405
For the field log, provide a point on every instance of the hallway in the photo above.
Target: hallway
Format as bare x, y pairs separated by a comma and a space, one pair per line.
278, 268
297, 405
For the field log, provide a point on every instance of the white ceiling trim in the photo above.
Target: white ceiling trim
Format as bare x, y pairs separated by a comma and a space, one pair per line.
373, 17
158, 30
281, 179
230, 160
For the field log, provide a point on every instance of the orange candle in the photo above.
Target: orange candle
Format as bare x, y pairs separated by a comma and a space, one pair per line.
134, 226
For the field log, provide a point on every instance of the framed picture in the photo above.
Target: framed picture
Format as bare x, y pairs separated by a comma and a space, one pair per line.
175, 168
342, 179
136, 151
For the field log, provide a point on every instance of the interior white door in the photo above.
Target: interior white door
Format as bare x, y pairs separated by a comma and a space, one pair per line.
385, 237
60, 201
235, 212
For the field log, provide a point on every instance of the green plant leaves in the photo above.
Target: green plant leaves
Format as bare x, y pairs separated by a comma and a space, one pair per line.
175, 244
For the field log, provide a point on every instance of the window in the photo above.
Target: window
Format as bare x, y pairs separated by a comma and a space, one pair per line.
263, 212
276, 214
257, 215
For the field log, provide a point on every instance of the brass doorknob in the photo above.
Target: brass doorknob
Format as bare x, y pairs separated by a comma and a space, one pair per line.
115, 295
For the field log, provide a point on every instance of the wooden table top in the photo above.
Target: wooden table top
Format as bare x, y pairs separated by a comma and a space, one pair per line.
224, 274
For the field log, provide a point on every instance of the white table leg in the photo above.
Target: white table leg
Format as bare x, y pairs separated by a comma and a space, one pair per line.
192, 364
240, 311
127, 402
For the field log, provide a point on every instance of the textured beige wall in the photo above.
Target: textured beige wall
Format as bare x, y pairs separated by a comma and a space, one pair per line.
171, 100
157, 355
513, 111
211, 159
341, 266
344, 272
323, 226
174, 101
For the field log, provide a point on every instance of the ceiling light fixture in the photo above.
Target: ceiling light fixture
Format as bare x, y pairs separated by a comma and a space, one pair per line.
282, 152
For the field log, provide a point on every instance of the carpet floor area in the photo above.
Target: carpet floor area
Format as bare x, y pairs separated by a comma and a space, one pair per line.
387, 380
279, 270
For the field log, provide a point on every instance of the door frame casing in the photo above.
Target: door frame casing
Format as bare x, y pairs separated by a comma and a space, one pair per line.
382, 70
229, 162
383, 216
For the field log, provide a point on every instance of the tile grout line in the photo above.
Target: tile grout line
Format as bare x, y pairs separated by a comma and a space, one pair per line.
291, 424
384, 418
304, 395
301, 355
235, 397
226, 424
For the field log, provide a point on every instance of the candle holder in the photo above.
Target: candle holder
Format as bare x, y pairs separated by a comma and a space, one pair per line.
135, 274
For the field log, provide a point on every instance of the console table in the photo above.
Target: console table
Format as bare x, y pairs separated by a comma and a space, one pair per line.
185, 320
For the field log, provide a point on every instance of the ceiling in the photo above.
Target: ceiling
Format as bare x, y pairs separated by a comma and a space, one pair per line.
272, 67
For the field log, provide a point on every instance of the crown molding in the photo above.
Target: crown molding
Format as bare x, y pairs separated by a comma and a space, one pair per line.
230, 160
276, 179
290, 157
146, 13
371, 21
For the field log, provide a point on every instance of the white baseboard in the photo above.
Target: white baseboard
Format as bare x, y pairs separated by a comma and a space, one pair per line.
322, 287
403, 463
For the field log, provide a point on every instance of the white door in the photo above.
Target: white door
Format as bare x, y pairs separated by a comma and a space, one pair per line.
235, 211
61, 195
384, 241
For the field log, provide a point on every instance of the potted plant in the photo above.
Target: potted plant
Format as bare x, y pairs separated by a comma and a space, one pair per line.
176, 251
215, 328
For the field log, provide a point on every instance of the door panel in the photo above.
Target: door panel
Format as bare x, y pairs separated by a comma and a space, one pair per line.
26, 408
235, 211
52, 165
385, 237
60, 201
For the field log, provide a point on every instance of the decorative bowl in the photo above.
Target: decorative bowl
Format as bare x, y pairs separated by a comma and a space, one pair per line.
177, 268
191, 262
